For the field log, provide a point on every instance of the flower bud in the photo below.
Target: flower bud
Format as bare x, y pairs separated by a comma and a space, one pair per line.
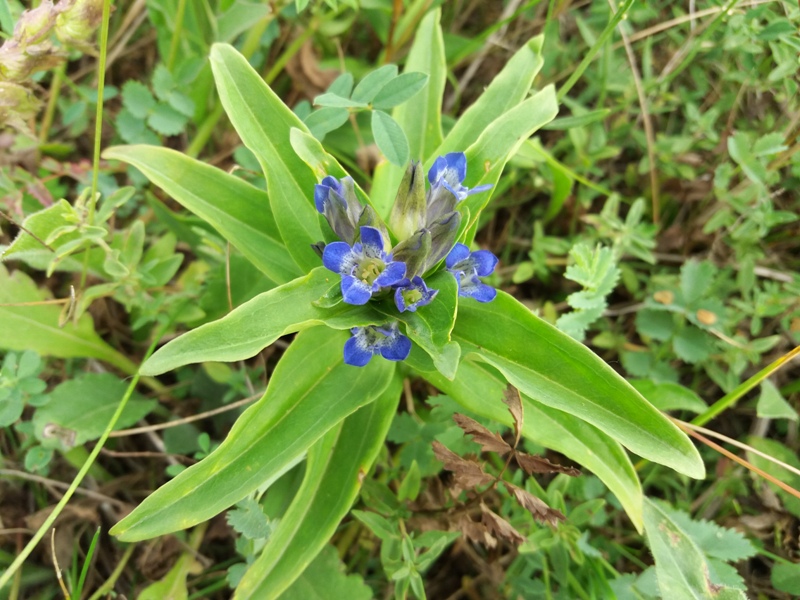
408, 212
17, 105
78, 21
414, 252
369, 218
35, 25
443, 236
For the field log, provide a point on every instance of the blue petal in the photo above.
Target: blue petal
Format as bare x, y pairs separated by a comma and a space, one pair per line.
320, 196
437, 169
480, 188
355, 291
483, 262
457, 165
337, 256
355, 354
372, 241
473, 287
392, 274
396, 347
400, 301
457, 254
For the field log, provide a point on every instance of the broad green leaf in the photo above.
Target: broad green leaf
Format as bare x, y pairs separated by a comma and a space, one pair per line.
263, 122
173, 585
479, 389
421, 117
373, 83
390, 138
777, 450
488, 155
84, 406
310, 391
240, 212
240, 17
399, 90
786, 578
254, 325
430, 326
554, 369
35, 327
325, 578
336, 465
507, 90
666, 395
681, 568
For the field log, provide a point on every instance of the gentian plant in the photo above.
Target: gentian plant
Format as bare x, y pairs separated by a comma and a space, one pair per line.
396, 274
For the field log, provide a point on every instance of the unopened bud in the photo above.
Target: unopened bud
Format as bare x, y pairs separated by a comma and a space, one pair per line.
17, 105
443, 237
78, 20
414, 252
408, 212
35, 25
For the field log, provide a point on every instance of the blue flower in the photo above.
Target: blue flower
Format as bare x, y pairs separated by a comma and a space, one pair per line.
365, 267
413, 293
337, 201
447, 175
385, 340
467, 266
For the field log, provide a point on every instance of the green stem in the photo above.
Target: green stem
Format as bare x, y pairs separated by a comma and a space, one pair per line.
50, 111
576, 74
176, 34
26, 551
287, 55
733, 396
112, 580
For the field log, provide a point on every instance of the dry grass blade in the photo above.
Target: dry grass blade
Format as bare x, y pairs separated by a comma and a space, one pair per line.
498, 526
468, 473
535, 506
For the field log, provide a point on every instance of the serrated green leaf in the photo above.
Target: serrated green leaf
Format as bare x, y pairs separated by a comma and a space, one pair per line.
130, 127
554, 369
697, 277
182, 103
390, 138
399, 90
373, 82
163, 82
692, 345
310, 391
739, 146
137, 98
772, 405
249, 519
166, 120
656, 324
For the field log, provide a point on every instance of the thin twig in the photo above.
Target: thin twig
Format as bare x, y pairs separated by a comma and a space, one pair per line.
59, 484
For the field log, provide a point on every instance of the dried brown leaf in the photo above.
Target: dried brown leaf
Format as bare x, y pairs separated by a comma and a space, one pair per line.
514, 403
489, 442
535, 506
538, 464
467, 473
474, 531
498, 526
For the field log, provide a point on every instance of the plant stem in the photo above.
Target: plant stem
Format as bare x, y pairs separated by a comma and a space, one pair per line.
50, 111
576, 74
112, 580
176, 34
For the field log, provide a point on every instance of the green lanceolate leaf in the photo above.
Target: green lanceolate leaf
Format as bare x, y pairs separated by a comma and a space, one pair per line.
488, 155
505, 91
336, 465
264, 123
239, 211
254, 325
681, 568
310, 391
430, 326
37, 328
479, 388
557, 371
421, 117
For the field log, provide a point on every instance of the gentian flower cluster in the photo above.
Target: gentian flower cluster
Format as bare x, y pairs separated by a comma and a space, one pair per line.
425, 225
